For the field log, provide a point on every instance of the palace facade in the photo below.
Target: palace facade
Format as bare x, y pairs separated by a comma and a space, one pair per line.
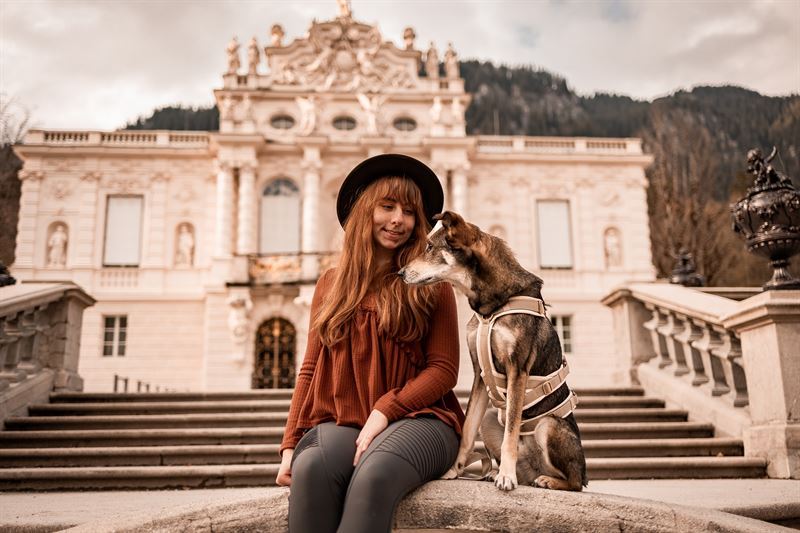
202, 248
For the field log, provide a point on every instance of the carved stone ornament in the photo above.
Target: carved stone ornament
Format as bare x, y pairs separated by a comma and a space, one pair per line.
60, 189
239, 308
33, 175
768, 218
91, 176
123, 185
342, 55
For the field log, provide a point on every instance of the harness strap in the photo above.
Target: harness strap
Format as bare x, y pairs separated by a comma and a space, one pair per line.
529, 425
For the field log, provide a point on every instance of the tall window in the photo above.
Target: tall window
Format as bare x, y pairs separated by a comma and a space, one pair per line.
564, 330
115, 329
123, 231
555, 235
280, 218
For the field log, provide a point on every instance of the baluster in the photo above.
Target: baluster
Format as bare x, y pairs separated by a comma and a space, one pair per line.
705, 345
4, 342
28, 362
687, 337
729, 354
671, 331
659, 342
10, 369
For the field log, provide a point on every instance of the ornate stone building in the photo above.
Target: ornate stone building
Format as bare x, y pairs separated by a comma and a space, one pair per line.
202, 249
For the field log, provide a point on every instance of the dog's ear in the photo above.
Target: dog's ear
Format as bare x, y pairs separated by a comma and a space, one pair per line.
460, 235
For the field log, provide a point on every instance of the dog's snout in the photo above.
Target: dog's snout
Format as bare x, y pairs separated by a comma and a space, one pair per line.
402, 273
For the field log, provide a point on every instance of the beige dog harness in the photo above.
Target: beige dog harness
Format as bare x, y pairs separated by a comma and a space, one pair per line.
537, 388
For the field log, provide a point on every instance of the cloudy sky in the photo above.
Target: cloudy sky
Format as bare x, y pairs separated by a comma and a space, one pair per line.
96, 64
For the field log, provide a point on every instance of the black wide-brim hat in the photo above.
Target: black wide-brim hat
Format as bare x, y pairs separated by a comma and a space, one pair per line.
384, 165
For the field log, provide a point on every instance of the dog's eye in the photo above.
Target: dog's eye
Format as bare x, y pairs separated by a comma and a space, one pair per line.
428, 247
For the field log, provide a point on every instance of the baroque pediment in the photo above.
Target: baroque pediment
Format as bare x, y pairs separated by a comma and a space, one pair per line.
343, 55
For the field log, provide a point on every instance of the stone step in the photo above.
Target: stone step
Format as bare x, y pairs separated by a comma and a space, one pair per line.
271, 419
102, 397
139, 456
676, 467
267, 453
120, 477
272, 405
271, 435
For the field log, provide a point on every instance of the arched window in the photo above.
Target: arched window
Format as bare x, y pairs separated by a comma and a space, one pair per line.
280, 218
275, 353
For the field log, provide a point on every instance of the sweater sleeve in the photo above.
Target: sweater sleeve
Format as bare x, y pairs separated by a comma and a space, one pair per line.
292, 433
440, 374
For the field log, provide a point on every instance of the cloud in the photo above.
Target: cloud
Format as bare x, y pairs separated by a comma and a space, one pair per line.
99, 64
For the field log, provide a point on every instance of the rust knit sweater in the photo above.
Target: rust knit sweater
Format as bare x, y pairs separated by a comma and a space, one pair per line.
369, 371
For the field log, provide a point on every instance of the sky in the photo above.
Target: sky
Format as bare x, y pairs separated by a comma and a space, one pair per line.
98, 64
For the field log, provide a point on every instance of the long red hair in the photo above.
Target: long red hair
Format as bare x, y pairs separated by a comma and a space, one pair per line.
403, 310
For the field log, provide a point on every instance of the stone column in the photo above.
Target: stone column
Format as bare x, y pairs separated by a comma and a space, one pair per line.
224, 211
768, 325
246, 239
460, 199
312, 163
26, 228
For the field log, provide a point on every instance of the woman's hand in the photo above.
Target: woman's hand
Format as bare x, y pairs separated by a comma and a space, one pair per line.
376, 423
284, 478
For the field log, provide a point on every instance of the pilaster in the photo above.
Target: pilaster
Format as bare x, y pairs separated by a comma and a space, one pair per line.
312, 163
460, 190
223, 239
86, 230
156, 253
28, 208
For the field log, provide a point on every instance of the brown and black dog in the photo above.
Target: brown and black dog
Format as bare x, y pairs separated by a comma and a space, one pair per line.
483, 268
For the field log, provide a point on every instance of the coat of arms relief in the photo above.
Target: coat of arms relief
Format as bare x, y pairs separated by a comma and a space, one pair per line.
343, 55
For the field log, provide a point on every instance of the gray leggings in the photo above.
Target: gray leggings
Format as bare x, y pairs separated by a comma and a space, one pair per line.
329, 494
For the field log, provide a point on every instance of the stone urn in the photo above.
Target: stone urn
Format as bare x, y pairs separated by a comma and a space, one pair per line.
768, 218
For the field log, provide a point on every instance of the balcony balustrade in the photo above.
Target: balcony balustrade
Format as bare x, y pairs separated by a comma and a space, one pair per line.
303, 267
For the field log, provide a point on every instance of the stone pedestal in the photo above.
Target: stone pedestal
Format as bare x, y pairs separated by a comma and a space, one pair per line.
768, 325
632, 340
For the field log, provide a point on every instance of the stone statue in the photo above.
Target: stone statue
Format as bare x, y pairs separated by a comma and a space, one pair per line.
247, 108
184, 251
451, 63
233, 56
457, 109
763, 171
612, 248
253, 56
57, 248
432, 62
408, 38
344, 9
371, 107
684, 273
276, 35
436, 110
239, 318
308, 114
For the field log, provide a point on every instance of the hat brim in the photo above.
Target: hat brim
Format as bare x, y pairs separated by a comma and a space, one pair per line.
384, 165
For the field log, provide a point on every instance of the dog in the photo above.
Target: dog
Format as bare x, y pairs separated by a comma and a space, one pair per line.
548, 454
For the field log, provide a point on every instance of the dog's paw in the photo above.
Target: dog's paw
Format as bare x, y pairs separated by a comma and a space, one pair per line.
505, 482
491, 475
547, 482
452, 473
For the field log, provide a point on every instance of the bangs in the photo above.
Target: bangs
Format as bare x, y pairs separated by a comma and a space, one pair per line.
401, 190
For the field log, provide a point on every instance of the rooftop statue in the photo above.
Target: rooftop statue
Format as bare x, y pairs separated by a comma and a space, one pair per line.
408, 38
344, 9
276, 35
253, 56
371, 107
233, 56
432, 62
451, 63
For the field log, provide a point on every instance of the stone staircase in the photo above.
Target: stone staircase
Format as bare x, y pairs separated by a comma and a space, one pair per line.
179, 440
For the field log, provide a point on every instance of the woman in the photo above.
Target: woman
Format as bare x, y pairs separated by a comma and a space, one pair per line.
373, 415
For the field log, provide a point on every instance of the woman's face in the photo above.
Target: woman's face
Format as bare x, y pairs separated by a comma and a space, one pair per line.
392, 224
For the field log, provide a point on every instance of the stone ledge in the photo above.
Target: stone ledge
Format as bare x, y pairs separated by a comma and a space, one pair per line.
457, 506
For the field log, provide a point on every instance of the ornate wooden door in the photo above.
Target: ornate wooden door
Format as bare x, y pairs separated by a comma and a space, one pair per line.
275, 350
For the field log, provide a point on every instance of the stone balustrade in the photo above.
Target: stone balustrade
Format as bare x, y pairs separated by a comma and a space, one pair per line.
490, 144
40, 326
265, 269
733, 363
123, 138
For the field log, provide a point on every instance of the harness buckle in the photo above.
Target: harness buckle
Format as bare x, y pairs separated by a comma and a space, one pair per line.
547, 387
